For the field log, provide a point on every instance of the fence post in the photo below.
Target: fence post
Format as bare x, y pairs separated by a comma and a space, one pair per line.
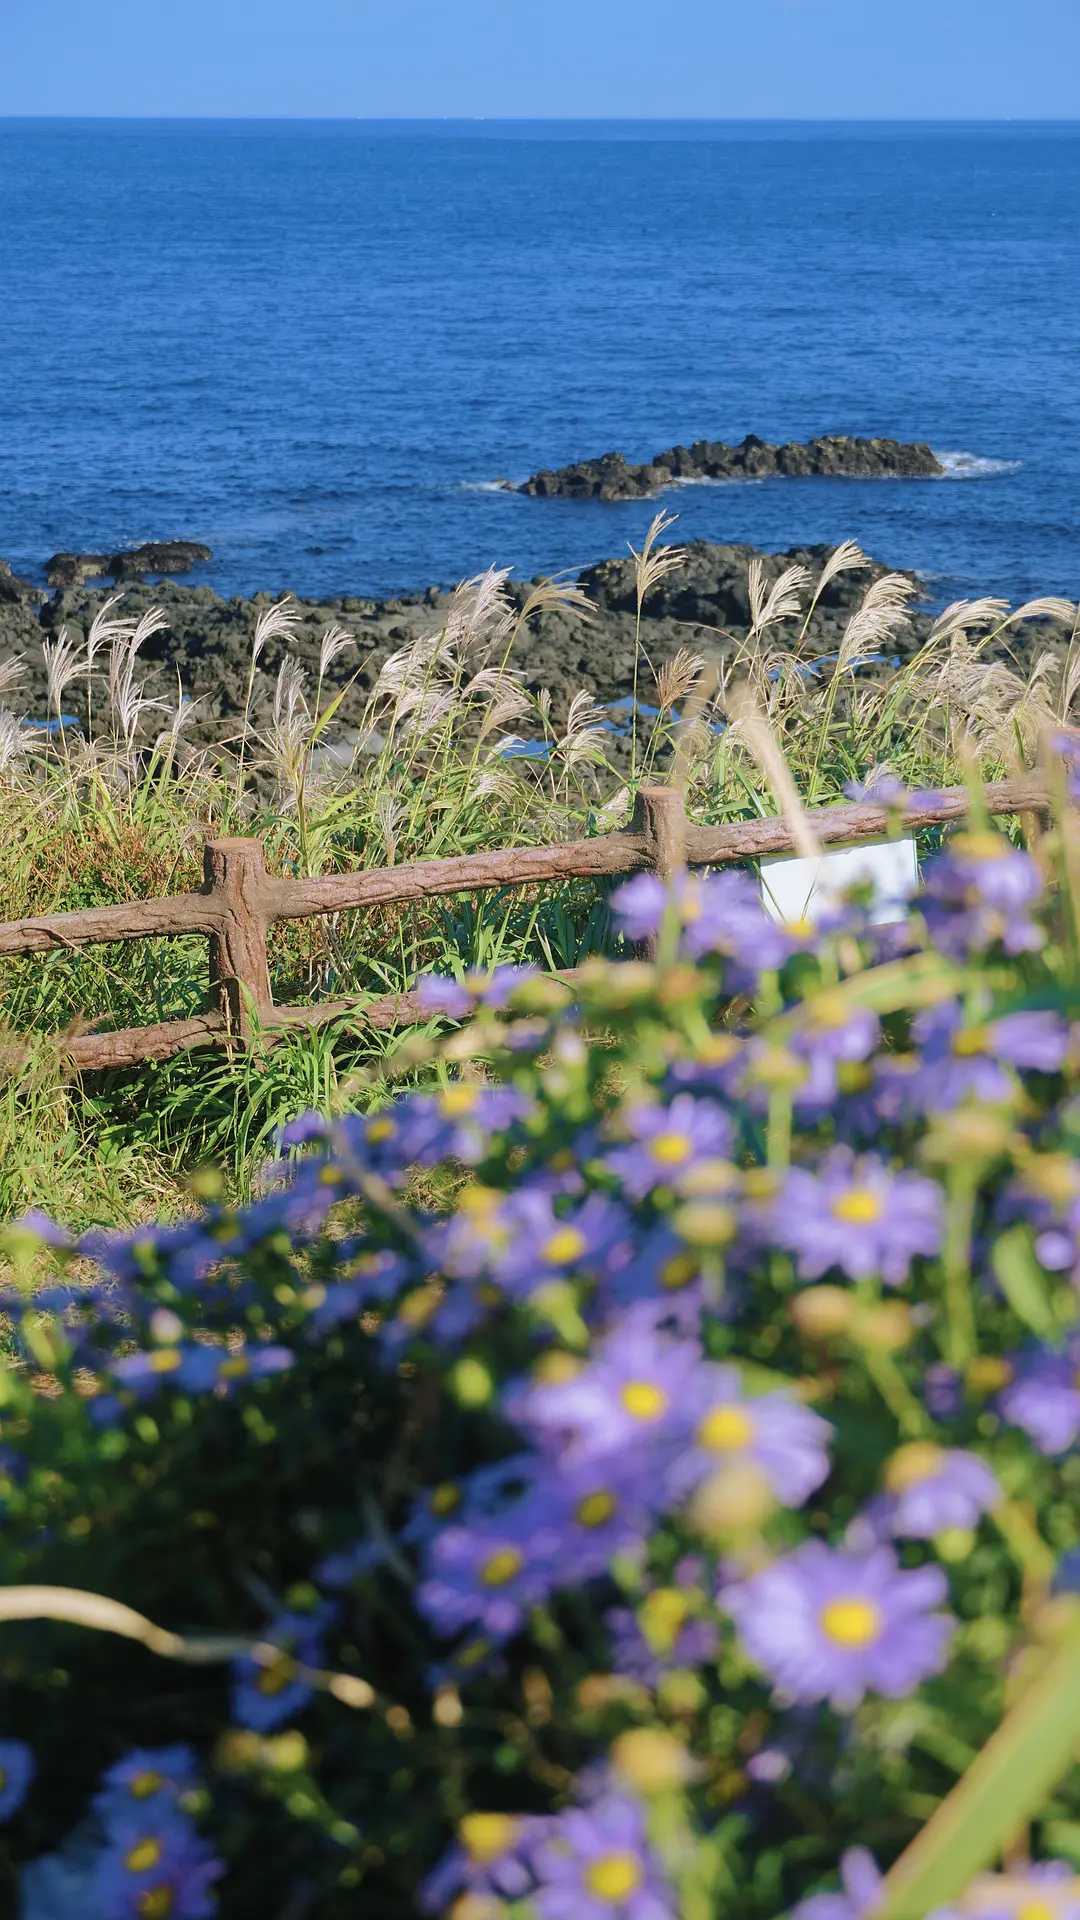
660, 814
234, 872
661, 817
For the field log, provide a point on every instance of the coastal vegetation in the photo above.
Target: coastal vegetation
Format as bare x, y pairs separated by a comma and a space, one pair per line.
631, 1474
449, 750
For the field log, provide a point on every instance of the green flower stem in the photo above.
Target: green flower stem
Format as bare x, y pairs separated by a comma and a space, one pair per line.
961, 1343
1025, 1543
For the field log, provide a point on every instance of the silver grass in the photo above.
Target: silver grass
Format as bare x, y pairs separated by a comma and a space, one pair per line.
331, 647
883, 610
274, 623
11, 671
677, 677
769, 605
16, 742
844, 559
962, 615
103, 631
65, 661
289, 733
555, 596
653, 563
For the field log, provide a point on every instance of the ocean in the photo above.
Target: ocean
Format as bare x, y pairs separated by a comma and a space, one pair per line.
317, 345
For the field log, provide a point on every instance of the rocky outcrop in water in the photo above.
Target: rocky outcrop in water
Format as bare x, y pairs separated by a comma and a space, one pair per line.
154, 556
830, 456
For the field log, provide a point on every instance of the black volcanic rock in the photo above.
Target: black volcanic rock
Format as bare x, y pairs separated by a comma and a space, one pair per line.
15, 592
833, 456
154, 556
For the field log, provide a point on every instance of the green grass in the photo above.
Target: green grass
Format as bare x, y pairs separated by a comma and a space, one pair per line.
100, 821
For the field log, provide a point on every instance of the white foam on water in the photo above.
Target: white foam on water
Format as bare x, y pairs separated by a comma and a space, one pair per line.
487, 486
959, 465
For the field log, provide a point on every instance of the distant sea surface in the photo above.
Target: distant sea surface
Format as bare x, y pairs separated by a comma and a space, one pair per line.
317, 345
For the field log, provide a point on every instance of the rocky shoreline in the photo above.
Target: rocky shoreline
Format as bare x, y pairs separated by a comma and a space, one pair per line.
830, 456
206, 645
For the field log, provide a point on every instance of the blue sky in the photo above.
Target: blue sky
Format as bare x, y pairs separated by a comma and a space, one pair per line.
714, 58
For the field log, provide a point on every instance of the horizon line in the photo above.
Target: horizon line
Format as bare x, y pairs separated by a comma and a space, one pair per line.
568, 119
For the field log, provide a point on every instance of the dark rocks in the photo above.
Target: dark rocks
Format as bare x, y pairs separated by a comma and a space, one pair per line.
832, 456
15, 592
154, 556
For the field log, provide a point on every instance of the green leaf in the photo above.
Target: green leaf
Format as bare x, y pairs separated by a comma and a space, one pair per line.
1023, 1282
1007, 1786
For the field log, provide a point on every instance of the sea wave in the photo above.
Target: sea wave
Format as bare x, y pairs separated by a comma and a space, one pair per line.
487, 486
974, 466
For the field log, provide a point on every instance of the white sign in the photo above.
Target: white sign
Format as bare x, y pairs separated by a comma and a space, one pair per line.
886, 872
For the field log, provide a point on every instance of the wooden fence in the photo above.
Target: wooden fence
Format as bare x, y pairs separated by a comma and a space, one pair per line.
239, 901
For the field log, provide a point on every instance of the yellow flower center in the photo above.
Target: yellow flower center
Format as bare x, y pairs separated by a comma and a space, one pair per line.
418, 1306
596, 1509
156, 1903
144, 1855
556, 1368
502, 1567
980, 846
678, 1271
381, 1129
725, 1430
235, 1369
485, 1836
457, 1100
276, 1677
444, 1499
912, 1464
643, 1400
858, 1207
144, 1785
164, 1360
663, 1615
800, 929
614, 1877
671, 1149
564, 1246
851, 1623
969, 1041
1035, 1910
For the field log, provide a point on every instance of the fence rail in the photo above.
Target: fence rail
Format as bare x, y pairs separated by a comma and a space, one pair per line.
239, 901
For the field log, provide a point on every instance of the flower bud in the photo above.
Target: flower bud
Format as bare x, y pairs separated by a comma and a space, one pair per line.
954, 1545
886, 1327
972, 1135
471, 1383
651, 1760
823, 1313
703, 1223
682, 1691
737, 1499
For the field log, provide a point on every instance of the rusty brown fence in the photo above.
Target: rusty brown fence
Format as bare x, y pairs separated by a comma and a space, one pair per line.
239, 901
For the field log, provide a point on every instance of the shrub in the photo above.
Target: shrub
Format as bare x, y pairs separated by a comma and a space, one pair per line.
633, 1479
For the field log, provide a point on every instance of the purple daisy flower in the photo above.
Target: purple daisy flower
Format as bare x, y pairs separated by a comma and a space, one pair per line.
667, 1632
1049, 1891
17, 1769
632, 1391
438, 993
727, 920
861, 1880
490, 1861
830, 1625
595, 1863
148, 1778
155, 1863
267, 1693
1043, 1397
929, 1489
726, 1425
856, 1214
966, 1060
488, 1575
668, 1140
976, 895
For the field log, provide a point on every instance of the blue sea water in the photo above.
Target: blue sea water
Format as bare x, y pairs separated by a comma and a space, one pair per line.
316, 345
